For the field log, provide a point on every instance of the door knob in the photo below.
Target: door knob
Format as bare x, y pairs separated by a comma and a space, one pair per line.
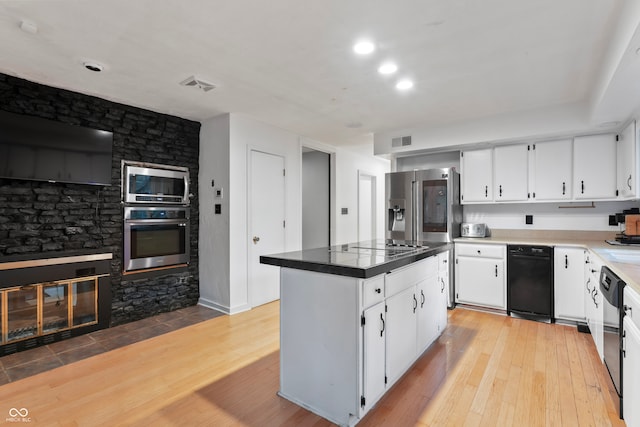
256, 239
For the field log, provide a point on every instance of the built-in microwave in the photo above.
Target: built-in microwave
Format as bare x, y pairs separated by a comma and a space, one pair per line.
154, 184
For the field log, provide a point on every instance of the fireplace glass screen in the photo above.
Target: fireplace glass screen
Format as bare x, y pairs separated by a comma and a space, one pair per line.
46, 308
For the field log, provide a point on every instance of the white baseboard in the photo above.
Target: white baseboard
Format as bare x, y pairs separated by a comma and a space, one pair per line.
223, 308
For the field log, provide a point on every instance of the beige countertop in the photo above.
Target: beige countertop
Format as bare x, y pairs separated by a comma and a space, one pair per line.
624, 260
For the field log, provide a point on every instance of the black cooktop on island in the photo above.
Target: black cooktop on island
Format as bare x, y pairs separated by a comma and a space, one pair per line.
361, 259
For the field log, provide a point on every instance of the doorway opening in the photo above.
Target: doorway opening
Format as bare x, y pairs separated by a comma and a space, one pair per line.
366, 206
316, 198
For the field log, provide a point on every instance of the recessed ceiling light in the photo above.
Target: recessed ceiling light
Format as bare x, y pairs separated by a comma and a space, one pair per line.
364, 47
404, 84
388, 68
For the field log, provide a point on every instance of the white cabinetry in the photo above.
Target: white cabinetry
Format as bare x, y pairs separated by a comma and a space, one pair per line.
373, 353
401, 332
443, 286
568, 283
551, 164
511, 173
631, 358
594, 167
429, 307
476, 168
480, 274
593, 309
628, 163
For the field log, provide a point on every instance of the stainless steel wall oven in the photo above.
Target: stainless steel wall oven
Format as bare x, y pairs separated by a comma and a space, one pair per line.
155, 236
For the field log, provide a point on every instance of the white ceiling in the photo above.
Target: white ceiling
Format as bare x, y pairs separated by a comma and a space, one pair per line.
290, 62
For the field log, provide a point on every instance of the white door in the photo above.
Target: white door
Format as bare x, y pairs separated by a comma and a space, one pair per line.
366, 207
266, 224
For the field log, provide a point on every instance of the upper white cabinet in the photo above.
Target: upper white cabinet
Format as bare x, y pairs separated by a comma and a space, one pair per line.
551, 164
476, 171
511, 173
594, 167
628, 163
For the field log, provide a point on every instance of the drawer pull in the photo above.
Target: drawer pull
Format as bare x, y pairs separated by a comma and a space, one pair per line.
566, 261
564, 188
496, 270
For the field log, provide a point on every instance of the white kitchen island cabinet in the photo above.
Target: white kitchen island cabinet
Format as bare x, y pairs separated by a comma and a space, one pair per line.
345, 340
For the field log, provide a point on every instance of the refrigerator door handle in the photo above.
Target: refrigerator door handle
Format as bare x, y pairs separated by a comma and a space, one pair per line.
414, 206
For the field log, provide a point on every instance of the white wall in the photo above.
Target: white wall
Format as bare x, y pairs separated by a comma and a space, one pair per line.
547, 216
213, 235
347, 166
315, 199
225, 145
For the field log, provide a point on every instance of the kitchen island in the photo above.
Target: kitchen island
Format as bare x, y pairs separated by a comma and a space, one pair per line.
354, 318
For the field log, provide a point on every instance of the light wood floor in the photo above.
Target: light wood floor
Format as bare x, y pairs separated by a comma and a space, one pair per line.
484, 370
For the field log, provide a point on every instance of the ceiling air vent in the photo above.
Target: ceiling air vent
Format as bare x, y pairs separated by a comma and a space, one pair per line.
199, 83
401, 141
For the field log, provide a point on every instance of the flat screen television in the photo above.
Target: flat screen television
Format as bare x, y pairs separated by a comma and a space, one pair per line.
34, 148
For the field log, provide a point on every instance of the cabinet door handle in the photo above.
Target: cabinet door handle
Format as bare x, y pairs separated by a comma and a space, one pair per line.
382, 319
594, 296
501, 191
624, 344
415, 303
486, 191
422, 298
627, 310
442, 287
496, 270
629, 182
566, 261
564, 188
587, 284
582, 186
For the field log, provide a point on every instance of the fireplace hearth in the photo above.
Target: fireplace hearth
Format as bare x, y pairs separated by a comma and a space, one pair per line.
51, 299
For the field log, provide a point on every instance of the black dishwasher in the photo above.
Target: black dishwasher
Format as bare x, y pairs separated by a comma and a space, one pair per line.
530, 281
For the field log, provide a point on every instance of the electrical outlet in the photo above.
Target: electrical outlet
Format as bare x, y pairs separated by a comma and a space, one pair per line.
528, 219
218, 209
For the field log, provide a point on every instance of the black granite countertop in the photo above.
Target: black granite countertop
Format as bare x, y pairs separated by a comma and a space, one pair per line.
361, 259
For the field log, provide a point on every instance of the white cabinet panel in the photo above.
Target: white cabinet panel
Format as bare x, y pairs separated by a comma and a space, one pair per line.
476, 171
480, 281
443, 284
401, 333
552, 170
631, 373
568, 283
428, 293
511, 173
373, 354
627, 162
593, 310
594, 167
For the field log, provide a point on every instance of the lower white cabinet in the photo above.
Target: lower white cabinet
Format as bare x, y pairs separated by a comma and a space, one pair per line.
401, 332
480, 275
568, 283
593, 309
631, 358
443, 286
374, 338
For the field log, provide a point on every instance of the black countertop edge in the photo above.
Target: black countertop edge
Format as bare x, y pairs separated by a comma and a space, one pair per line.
349, 271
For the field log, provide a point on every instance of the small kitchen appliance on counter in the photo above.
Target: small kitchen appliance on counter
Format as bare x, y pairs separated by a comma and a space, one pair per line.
471, 229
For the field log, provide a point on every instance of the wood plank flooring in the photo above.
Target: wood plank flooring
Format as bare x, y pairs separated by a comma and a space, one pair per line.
485, 370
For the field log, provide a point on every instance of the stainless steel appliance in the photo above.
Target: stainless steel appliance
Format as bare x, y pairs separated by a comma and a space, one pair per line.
424, 206
155, 236
612, 288
530, 281
154, 184
469, 229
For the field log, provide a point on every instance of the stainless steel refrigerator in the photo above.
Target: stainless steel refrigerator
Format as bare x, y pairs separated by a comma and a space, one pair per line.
424, 206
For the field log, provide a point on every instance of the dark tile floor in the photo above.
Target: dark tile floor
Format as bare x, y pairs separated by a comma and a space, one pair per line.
30, 362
